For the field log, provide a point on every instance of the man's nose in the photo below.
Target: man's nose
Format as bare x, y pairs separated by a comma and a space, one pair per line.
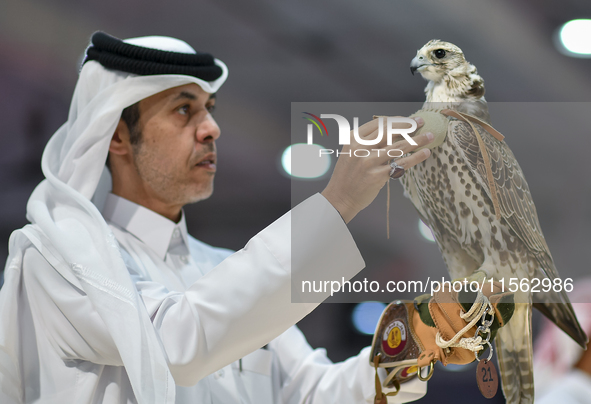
208, 130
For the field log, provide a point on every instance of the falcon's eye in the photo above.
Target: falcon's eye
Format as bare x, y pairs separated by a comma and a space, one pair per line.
439, 53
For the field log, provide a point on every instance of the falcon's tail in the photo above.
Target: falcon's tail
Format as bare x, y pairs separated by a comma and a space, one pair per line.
514, 352
563, 315
556, 305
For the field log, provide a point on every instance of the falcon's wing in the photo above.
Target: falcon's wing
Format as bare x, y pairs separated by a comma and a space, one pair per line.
517, 206
518, 210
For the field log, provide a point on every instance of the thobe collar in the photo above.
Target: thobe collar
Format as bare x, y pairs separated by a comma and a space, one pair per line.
159, 233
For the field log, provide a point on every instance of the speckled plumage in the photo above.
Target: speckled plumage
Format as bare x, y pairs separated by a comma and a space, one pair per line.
452, 195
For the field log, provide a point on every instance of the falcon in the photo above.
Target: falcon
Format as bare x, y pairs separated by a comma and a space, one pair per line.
473, 195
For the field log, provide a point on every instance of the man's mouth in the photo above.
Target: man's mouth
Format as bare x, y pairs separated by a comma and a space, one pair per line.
208, 162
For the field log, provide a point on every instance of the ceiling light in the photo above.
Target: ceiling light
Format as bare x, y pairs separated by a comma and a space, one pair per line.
574, 38
426, 231
366, 316
303, 160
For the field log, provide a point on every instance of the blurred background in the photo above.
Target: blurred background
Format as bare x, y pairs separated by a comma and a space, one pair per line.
280, 52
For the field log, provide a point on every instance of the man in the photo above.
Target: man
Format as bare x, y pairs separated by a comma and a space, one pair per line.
107, 299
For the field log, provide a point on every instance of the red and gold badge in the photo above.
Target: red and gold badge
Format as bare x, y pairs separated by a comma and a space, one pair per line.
394, 338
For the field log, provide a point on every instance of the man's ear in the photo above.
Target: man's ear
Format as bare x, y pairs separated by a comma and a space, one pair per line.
120, 144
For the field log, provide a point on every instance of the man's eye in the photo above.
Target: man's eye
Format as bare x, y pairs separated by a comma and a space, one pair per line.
211, 108
184, 110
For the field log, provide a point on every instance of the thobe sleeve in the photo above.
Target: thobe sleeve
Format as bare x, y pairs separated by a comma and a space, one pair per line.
64, 316
245, 301
308, 376
236, 308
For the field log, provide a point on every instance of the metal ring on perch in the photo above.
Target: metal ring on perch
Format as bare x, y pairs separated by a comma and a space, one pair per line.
431, 369
490, 354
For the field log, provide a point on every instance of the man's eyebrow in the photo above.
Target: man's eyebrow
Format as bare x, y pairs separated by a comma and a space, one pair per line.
190, 96
185, 94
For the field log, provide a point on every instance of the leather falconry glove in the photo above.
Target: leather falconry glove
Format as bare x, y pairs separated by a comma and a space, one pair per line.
451, 327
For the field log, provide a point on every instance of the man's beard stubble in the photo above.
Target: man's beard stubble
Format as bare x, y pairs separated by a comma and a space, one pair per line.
169, 184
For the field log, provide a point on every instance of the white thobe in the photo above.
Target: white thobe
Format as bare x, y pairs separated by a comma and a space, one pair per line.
572, 388
200, 323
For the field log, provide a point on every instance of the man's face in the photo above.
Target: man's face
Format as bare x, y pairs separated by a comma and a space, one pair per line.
176, 156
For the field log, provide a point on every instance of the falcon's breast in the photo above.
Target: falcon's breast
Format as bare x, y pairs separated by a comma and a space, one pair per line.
454, 202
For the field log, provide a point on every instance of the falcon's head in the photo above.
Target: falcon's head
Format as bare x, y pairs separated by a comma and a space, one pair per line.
437, 59
451, 76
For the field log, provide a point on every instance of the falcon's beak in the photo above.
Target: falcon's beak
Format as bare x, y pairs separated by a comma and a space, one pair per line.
415, 65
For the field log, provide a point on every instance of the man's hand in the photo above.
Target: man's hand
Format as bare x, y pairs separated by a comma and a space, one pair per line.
356, 181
